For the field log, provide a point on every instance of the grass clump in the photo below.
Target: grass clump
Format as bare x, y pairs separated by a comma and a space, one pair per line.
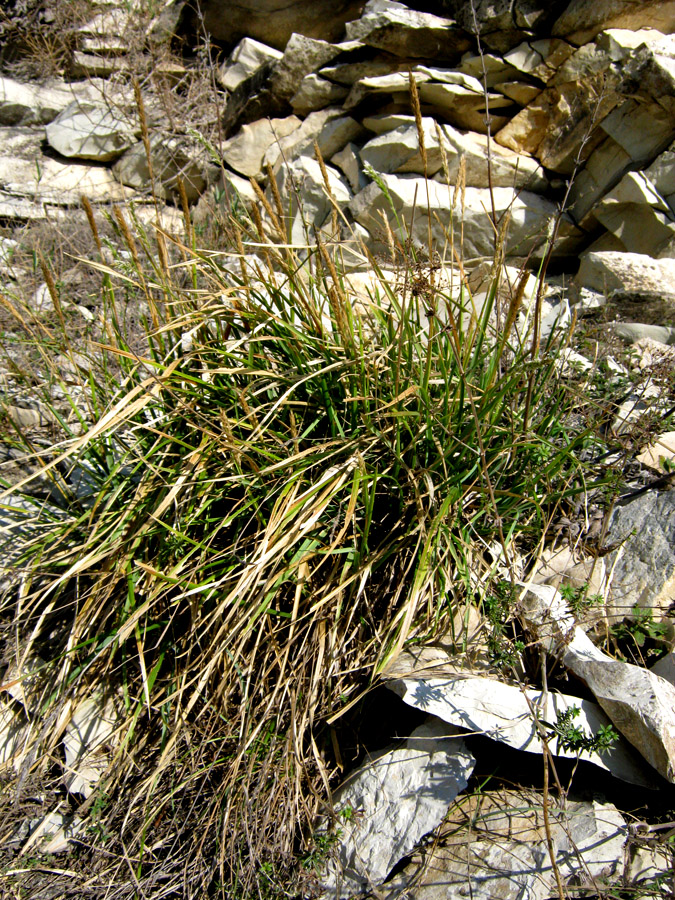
254, 516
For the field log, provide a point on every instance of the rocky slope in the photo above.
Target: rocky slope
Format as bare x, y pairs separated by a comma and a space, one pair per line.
556, 115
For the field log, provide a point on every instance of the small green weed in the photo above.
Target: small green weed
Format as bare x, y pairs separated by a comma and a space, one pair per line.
569, 736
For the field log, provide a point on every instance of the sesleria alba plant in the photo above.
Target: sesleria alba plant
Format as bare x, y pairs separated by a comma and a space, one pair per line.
276, 497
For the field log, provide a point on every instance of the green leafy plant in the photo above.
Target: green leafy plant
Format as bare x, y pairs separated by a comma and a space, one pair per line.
572, 737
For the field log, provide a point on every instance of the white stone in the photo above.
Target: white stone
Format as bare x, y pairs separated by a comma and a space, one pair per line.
246, 151
46, 180
659, 453
639, 703
316, 93
384, 122
391, 802
665, 668
33, 104
396, 83
247, 58
637, 332
87, 740
500, 711
331, 130
348, 160
465, 107
172, 158
661, 174
348, 73
610, 271
303, 179
539, 59
89, 130
584, 19
530, 214
14, 735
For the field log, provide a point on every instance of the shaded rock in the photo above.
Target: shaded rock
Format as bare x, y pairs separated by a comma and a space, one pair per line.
661, 174
88, 130
247, 58
395, 83
584, 19
610, 271
246, 150
394, 27
54, 832
347, 73
530, 214
316, 93
665, 668
395, 799
274, 21
172, 158
643, 565
487, 706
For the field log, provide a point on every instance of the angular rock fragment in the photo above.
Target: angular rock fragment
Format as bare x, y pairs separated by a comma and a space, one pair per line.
30, 104
530, 214
173, 157
385, 807
268, 92
640, 704
348, 160
584, 19
303, 179
247, 58
316, 93
611, 271
505, 713
331, 130
246, 150
394, 27
87, 130
498, 840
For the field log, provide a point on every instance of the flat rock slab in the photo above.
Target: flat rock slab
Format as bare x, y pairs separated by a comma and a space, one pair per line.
502, 712
610, 270
385, 807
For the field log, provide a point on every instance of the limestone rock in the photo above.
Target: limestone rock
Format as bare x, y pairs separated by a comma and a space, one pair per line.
610, 271
501, 712
397, 151
665, 668
643, 564
24, 173
303, 178
348, 160
246, 150
659, 453
347, 73
539, 59
466, 107
383, 122
269, 90
14, 735
274, 21
331, 130
31, 104
584, 19
394, 27
640, 704
530, 214
661, 174
395, 83
247, 58
392, 802
87, 130
500, 837
86, 743
173, 157
316, 93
